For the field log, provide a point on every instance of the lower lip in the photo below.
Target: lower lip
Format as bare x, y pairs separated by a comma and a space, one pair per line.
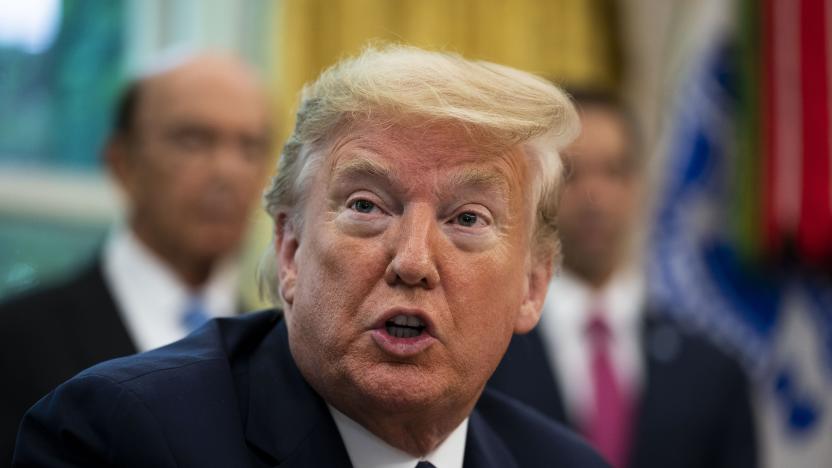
402, 347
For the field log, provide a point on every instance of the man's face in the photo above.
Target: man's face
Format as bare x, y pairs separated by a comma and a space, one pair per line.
600, 200
412, 269
196, 161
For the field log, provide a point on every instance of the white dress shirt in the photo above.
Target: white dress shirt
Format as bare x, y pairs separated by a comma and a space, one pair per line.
566, 312
366, 450
150, 296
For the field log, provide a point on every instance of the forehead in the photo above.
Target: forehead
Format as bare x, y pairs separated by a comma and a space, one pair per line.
425, 157
603, 136
208, 91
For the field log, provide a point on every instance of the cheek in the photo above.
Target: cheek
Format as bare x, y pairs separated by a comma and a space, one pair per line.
338, 265
163, 179
192, 196
252, 187
571, 201
335, 275
246, 179
624, 202
155, 193
491, 292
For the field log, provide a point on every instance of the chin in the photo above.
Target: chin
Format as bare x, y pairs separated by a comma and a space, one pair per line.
218, 244
402, 388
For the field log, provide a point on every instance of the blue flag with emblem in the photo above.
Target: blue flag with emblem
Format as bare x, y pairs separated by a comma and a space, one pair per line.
775, 319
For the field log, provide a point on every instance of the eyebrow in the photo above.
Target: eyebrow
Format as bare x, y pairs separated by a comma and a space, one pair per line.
465, 178
481, 179
361, 167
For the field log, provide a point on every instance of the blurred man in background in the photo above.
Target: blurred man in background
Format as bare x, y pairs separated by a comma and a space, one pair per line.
190, 151
642, 390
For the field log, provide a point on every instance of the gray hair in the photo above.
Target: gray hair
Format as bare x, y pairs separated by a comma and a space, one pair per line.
397, 84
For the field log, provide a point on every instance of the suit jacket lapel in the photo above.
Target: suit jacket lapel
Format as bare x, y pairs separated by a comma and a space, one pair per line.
483, 447
92, 319
287, 423
547, 378
526, 374
660, 345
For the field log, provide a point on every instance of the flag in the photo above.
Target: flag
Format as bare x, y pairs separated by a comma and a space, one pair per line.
741, 243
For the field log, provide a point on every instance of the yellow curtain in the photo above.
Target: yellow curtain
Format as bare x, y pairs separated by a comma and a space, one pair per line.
573, 42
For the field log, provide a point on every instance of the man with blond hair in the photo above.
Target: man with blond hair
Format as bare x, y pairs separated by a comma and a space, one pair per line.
413, 213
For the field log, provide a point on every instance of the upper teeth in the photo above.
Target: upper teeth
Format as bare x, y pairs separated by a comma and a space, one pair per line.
407, 320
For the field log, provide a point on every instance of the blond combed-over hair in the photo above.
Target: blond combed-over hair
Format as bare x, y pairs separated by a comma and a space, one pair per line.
498, 106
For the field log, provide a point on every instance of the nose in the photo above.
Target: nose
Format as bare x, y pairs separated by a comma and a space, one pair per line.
228, 157
231, 169
413, 261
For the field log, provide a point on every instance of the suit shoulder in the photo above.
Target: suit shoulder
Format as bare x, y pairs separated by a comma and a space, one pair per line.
533, 439
36, 301
34, 316
92, 421
41, 305
186, 387
212, 347
687, 348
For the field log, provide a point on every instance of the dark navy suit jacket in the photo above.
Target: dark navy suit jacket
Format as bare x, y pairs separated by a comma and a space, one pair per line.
694, 410
230, 395
47, 336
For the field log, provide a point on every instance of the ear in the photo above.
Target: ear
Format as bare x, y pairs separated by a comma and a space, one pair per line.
286, 246
537, 285
118, 162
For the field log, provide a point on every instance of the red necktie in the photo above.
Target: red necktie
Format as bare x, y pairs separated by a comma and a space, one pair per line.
609, 425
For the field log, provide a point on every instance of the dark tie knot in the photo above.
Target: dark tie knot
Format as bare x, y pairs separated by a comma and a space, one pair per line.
425, 464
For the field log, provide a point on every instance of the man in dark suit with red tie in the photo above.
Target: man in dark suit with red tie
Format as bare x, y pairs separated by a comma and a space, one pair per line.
642, 389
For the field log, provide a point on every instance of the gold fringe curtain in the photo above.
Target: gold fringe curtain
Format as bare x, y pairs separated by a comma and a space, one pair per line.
574, 42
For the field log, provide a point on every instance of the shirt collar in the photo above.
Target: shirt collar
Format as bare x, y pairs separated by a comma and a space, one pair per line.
563, 325
151, 296
621, 301
366, 450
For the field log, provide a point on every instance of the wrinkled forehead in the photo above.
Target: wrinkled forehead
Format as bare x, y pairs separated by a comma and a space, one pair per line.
426, 155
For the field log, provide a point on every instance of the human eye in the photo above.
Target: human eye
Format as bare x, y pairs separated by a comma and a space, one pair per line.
362, 205
469, 218
254, 149
471, 227
363, 214
192, 139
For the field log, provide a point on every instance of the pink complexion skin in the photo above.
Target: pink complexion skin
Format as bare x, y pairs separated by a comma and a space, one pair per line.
410, 273
600, 206
193, 167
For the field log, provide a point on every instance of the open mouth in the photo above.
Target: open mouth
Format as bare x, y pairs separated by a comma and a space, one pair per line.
405, 326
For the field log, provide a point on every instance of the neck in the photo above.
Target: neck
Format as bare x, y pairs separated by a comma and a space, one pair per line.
595, 278
416, 431
412, 433
193, 272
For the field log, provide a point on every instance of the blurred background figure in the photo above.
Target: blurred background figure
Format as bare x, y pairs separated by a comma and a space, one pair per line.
190, 150
732, 97
642, 389
741, 231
